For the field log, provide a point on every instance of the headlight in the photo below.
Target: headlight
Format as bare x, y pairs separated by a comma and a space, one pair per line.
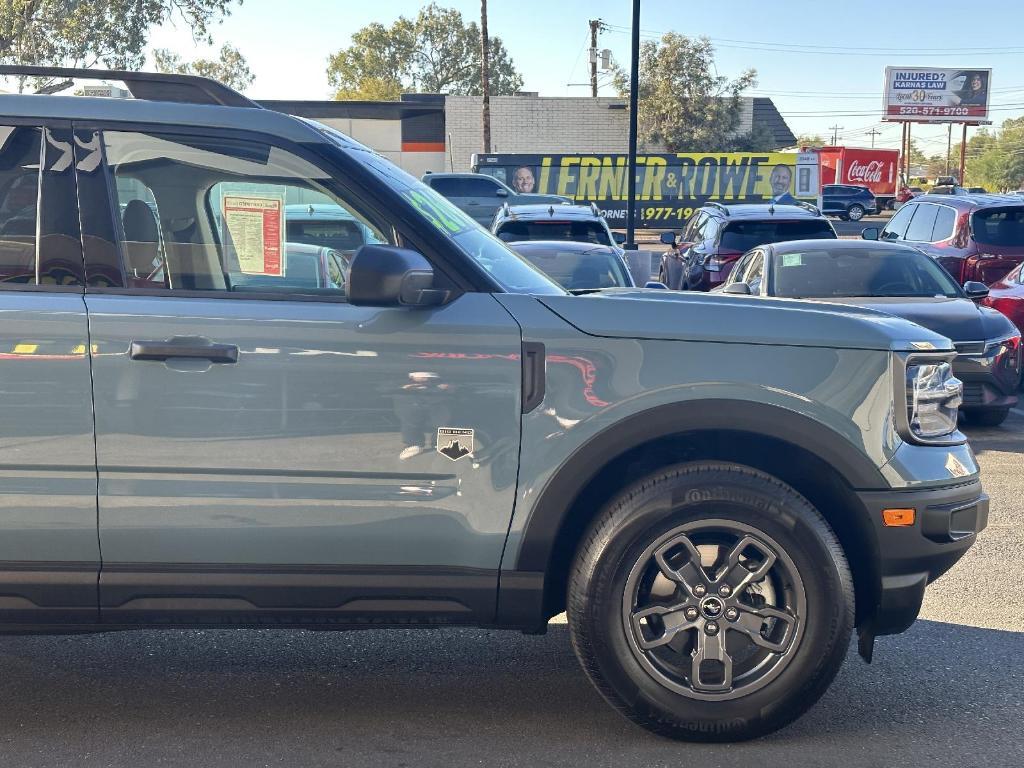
933, 397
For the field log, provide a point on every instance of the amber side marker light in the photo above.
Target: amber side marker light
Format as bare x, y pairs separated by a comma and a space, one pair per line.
898, 518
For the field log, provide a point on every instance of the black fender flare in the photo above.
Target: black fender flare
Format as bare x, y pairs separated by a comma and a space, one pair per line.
556, 499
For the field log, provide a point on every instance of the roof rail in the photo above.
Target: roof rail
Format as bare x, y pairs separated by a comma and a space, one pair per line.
809, 207
720, 206
150, 86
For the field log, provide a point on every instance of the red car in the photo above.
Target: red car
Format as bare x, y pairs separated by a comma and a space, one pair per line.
905, 194
1007, 295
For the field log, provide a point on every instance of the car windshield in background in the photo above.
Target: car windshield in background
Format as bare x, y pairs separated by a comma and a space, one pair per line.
1002, 226
743, 235
579, 270
818, 274
576, 231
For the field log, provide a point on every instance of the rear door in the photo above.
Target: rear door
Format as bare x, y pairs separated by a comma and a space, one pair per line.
49, 553
265, 448
485, 196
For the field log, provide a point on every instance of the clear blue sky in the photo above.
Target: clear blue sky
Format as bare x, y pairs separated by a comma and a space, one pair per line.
801, 52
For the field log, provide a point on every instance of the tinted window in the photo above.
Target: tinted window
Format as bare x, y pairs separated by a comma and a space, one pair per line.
754, 272
921, 226
19, 197
859, 272
212, 214
833, 190
579, 270
897, 226
576, 231
999, 226
744, 235
449, 187
945, 221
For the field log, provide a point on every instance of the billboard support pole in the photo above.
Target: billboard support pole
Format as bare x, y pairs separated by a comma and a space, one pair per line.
963, 156
904, 152
634, 91
908, 150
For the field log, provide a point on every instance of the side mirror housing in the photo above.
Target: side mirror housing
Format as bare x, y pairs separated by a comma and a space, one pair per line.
501, 192
619, 238
869, 233
386, 276
975, 290
737, 289
668, 238
655, 284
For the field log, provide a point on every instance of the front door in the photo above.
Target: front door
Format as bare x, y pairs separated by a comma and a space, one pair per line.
265, 448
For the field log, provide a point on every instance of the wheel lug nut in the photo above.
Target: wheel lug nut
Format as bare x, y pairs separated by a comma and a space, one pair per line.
691, 613
700, 590
725, 590
711, 628
732, 614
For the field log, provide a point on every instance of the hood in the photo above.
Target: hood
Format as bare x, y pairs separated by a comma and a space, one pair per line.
686, 316
956, 319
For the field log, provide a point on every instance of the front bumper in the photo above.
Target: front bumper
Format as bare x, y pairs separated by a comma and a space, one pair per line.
947, 522
988, 382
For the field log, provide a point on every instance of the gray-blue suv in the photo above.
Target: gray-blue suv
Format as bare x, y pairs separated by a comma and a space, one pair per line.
717, 491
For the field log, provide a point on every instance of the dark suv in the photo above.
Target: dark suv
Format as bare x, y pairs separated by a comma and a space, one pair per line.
975, 237
446, 437
716, 235
847, 201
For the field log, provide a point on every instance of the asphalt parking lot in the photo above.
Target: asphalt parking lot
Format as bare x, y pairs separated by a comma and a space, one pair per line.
949, 692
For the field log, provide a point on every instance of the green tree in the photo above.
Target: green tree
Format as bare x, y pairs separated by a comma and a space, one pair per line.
230, 67
437, 52
77, 33
810, 140
683, 102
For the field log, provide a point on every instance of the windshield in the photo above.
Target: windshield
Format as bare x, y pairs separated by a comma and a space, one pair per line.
999, 226
867, 272
742, 236
577, 270
513, 273
575, 231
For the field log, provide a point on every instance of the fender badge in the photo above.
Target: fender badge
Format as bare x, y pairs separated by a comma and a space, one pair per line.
454, 443
955, 467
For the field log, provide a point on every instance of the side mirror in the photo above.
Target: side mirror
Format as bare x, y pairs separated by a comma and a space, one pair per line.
737, 289
975, 290
869, 233
668, 238
501, 192
619, 238
655, 284
386, 276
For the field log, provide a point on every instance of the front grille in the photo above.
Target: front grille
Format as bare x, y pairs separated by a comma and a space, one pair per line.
970, 348
974, 394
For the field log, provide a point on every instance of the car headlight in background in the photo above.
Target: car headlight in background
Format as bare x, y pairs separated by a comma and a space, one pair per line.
933, 396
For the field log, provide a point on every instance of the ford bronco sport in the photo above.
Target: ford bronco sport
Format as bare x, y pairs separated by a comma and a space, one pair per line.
717, 491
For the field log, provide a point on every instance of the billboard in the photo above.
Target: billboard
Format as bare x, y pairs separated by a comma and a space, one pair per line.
668, 186
937, 95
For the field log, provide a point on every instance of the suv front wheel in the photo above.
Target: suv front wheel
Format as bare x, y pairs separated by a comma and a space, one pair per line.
710, 602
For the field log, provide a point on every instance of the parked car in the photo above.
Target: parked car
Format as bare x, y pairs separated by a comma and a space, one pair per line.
717, 491
905, 194
847, 201
481, 195
326, 225
902, 281
977, 191
576, 266
1007, 295
975, 237
716, 235
578, 223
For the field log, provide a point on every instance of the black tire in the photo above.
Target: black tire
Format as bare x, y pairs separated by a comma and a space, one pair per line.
855, 212
641, 516
989, 417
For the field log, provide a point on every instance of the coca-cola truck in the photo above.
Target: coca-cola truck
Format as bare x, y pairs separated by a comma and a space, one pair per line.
876, 169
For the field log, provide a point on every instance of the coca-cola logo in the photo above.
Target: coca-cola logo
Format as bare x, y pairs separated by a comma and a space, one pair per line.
869, 172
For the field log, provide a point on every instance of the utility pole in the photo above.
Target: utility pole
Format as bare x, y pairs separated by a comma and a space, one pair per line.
949, 148
595, 27
872, 133
485, 75
634, 92
835, 133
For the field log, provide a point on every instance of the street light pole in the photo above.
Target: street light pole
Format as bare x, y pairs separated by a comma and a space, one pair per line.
634, 91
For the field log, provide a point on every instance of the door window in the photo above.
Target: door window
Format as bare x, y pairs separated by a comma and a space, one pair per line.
897, 226
945, 221
199, 213
20, 149
921, 226
755, 272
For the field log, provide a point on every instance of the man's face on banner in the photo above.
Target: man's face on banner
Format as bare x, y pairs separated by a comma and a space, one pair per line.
523, 181
780, 180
